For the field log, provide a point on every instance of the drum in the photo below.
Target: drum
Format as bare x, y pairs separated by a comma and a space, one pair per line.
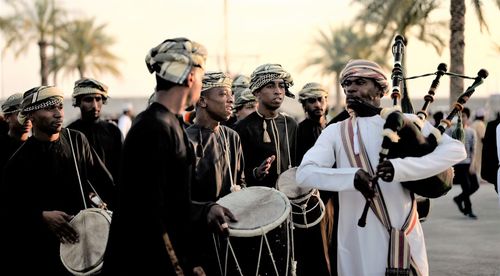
307, 207
260, 242
86, 256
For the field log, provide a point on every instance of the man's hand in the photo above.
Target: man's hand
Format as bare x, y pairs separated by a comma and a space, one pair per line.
217, 219
385, 171
261, 171
57, 222
363, 183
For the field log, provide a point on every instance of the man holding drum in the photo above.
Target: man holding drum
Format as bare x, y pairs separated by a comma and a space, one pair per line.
151, 227
219, 157
42, 192
354, 145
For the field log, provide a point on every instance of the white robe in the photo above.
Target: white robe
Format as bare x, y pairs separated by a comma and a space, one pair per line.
364, 251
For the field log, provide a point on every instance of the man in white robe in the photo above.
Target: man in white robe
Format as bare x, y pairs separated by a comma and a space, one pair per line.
364, 251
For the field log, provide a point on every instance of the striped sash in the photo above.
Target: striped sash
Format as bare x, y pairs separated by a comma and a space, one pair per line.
399, 255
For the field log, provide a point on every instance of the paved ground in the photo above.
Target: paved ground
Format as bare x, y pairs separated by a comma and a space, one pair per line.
458, 245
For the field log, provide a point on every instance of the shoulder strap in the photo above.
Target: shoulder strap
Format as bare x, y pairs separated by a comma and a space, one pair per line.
76, 167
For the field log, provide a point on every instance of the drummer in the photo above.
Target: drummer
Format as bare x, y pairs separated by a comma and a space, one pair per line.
219, 156
268, 136
42, 192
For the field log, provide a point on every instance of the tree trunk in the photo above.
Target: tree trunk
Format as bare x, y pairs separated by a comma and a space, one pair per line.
457, 47
44, 67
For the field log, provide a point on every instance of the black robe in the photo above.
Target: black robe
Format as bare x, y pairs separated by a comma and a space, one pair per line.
489, 162
153, 197
41, 176
106, 139
256, 151
8, 145
307, 134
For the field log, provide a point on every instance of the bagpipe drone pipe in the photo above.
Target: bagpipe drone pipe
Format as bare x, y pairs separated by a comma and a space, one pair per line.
403, 136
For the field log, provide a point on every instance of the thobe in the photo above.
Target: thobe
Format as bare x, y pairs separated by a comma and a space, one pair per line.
256, 150
106, 139
363, 251
307, 134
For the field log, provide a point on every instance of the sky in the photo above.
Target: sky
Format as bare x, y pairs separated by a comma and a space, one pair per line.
258, 32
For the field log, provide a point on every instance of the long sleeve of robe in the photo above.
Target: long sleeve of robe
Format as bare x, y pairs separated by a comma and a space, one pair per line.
363, 251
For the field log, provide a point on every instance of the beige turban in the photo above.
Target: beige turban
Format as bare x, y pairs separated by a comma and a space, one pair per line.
312, 90
38, 98
173, 59
87, 86
12, 104
270, 72
365, 69
246, 96
240, 83
216, 79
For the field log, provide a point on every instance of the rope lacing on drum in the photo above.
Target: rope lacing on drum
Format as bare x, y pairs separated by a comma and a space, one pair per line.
305, 211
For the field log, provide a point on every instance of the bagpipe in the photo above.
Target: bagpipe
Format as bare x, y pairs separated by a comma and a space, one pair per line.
403, 137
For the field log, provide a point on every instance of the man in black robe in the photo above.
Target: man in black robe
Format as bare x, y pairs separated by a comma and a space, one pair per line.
17, 133
489, 159
104, 137
42, 187
268, 137
155, 211
219, 156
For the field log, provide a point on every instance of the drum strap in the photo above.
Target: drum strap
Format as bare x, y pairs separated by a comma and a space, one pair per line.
400, 261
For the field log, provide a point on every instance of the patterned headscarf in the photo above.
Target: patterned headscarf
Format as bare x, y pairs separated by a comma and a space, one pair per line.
38, 98
312, 90
87, 86
240, 83
270, 72
173, 59
246, 96
12, 104
365, 69
216, 79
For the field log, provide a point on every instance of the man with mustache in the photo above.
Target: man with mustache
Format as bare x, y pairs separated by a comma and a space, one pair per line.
354, 145
219, 156
104, 137
42, 188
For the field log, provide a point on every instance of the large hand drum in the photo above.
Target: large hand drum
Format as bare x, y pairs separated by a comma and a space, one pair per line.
307, 207
86, 256
260, 243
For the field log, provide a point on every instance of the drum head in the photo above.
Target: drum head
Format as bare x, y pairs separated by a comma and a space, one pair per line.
288, 185
86, 256
258, 210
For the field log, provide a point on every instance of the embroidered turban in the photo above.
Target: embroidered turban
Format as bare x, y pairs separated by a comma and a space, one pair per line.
312, 90
12, 104
216, 79
365, 69
87, 86
38, 98
240, 83
173, 59
270, 72
246, 96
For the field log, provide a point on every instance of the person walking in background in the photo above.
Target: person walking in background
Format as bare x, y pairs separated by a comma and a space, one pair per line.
219, 157
354, 146
489, 158
479, 127
125, 120
151, 229
17, 133
465, 173
49, 173
104, 137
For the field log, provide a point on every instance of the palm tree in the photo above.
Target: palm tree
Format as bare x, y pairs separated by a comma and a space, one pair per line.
31, 22
337, 48
84, 47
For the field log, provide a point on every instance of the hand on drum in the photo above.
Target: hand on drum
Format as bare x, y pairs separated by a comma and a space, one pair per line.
217, 219
57, 222
261, 171
385, 171
363, 183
